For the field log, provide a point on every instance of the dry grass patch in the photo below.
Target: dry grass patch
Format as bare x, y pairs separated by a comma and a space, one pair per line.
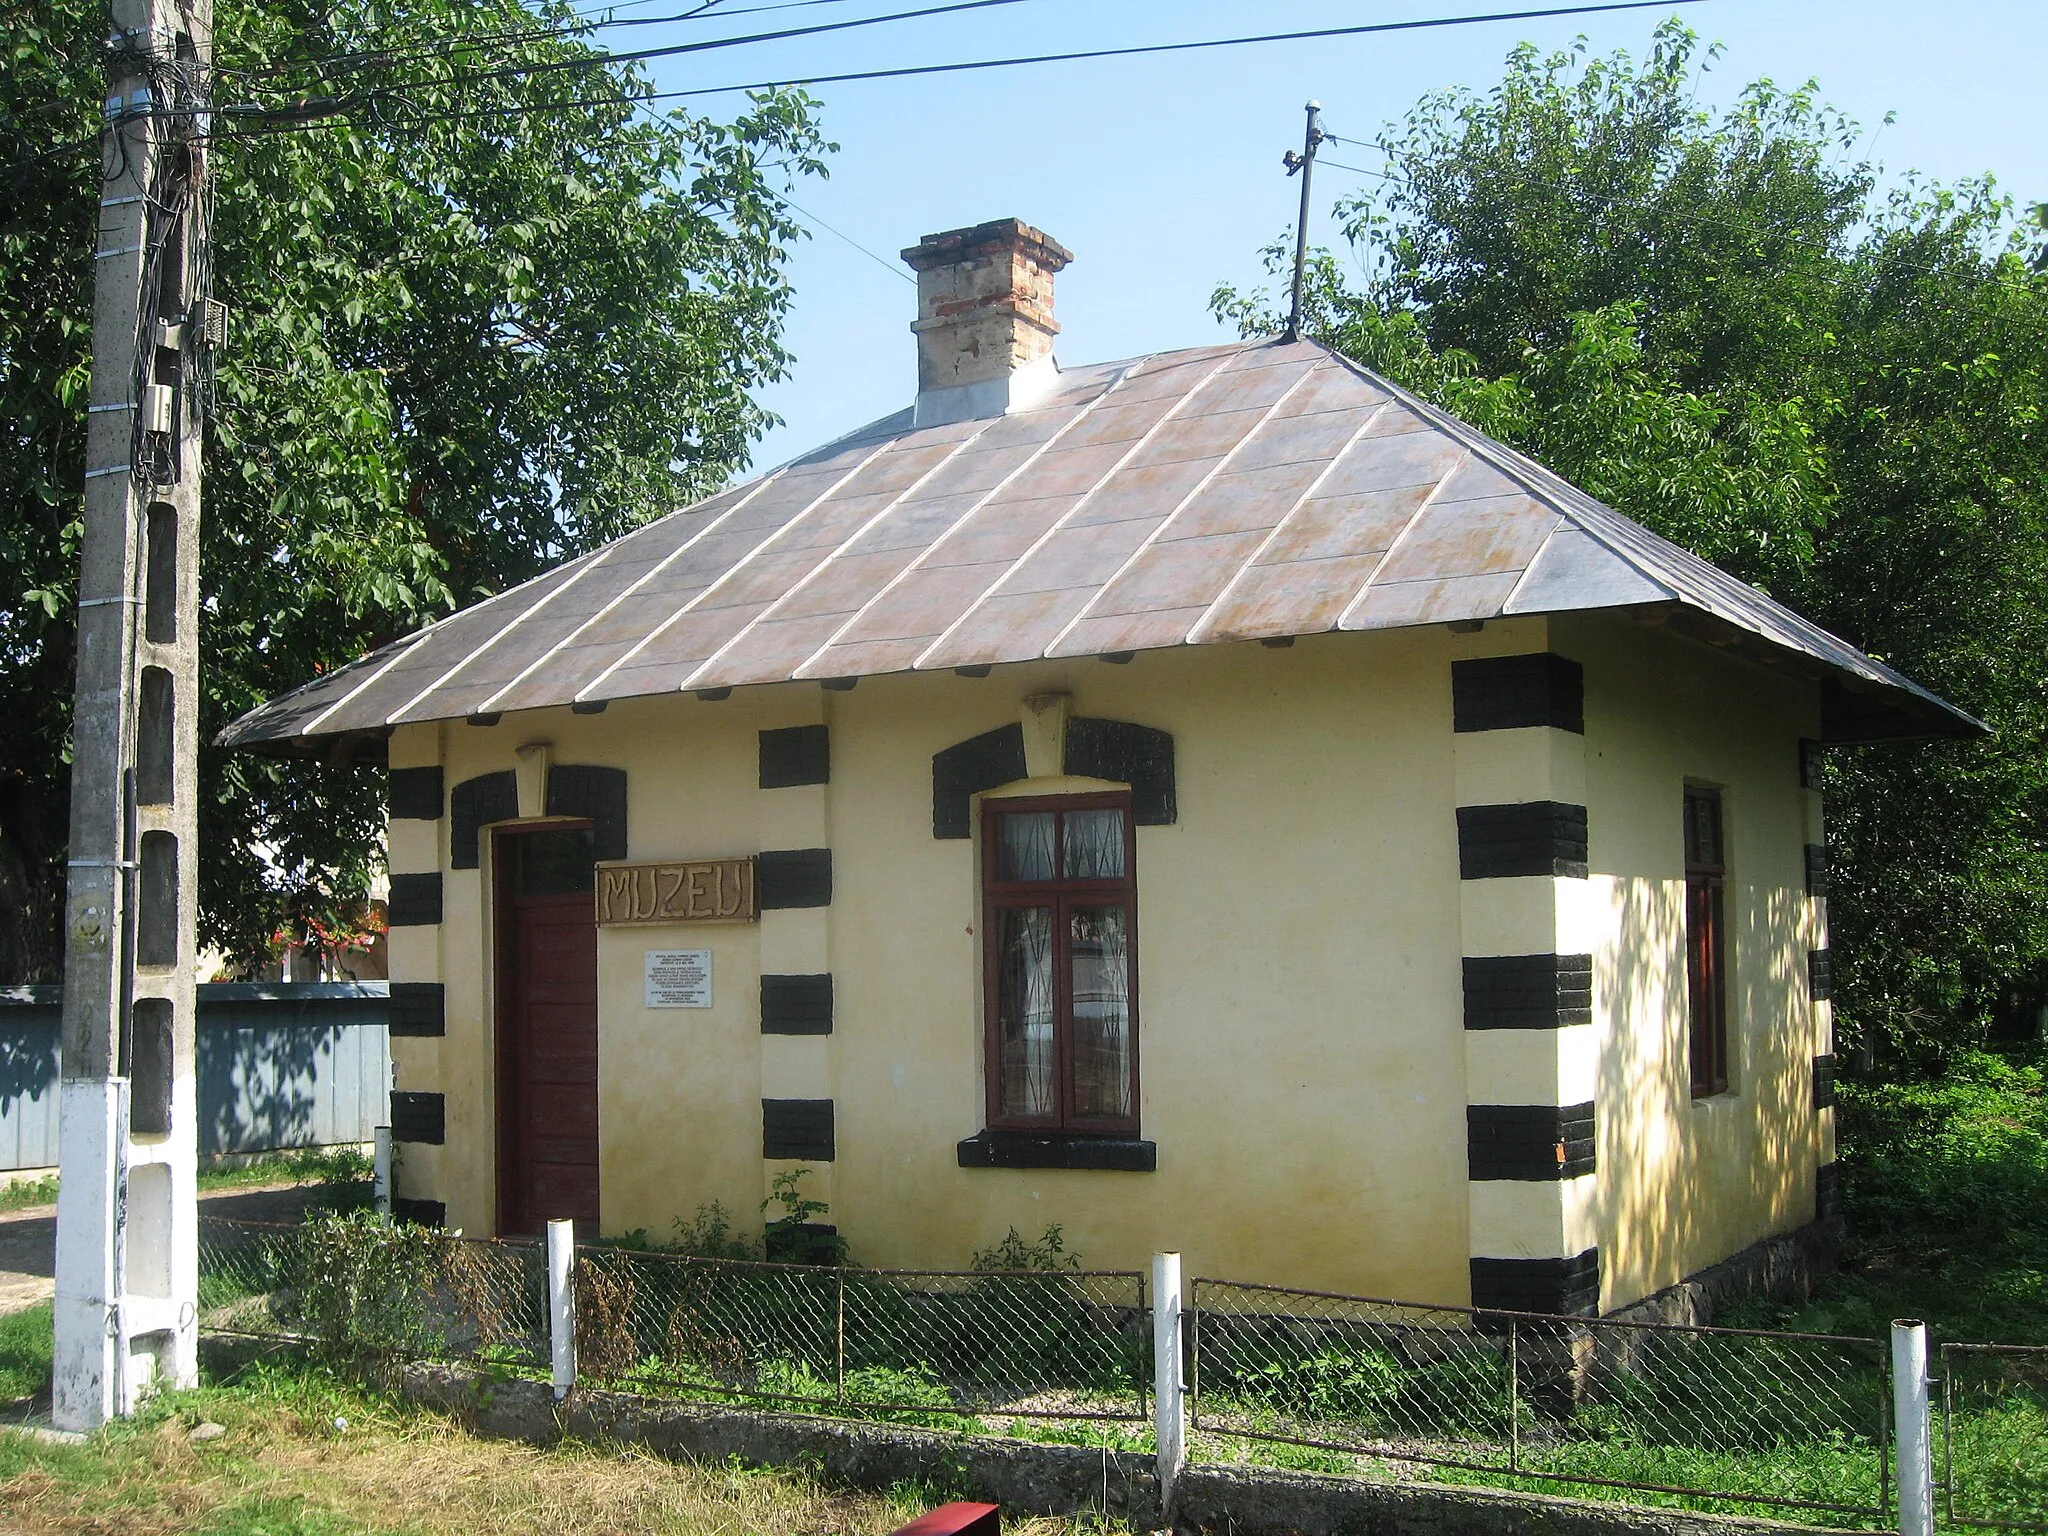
284, 1468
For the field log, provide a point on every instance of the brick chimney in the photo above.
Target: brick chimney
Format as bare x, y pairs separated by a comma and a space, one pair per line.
984, 319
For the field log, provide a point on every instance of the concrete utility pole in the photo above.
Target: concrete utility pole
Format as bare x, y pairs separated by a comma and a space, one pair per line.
127, 1217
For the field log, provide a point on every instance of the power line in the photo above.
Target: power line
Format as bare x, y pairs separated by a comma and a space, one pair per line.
597, 60
305, 119
881, 261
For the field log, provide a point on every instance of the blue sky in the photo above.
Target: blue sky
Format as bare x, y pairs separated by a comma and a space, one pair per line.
1162, 175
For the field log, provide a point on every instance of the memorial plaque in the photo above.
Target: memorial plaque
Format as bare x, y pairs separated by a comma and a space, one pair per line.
679, 978
676, 891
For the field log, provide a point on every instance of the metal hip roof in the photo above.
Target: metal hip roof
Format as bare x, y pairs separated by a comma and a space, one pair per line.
1249, 491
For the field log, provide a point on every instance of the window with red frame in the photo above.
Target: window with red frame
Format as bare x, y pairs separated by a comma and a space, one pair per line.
1705, 943
1060, 918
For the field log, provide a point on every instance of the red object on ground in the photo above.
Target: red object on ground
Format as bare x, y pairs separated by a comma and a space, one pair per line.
955, 1520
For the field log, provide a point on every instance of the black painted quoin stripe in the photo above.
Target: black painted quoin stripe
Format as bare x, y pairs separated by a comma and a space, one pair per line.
415, 794
1528, 991
1506, 693
414, 902
796, 1005
793, 877
1529, 1142
797, 1128
1816, 869
421, 1117
1820, 974
1567, 1287
421, 1213
796, 755
1823, 1081
1531, 837
418, 1008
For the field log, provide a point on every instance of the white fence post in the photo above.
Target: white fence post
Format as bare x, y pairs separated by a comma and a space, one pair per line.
1911, 1429
1169, 1389
380, 1166
562, 1303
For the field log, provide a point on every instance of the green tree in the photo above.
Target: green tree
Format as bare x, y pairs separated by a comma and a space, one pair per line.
1719, 324
481, 321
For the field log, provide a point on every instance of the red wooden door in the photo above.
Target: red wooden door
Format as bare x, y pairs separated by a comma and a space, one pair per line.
547, 1028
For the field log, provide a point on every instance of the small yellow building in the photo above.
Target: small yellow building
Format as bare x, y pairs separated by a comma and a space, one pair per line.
1212, 801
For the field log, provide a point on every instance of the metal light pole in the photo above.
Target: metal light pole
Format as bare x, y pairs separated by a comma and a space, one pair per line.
1305, 163
127, 1250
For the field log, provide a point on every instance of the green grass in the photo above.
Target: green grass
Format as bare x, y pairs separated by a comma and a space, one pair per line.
344, 1168
308, 1453
24, 1352
23, 1193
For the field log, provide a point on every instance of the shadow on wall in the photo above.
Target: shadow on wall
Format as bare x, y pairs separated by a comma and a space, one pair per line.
278, 1066
1686, 1182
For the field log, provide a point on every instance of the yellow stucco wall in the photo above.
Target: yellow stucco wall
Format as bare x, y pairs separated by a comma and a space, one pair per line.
1302, 1056
1685, 1182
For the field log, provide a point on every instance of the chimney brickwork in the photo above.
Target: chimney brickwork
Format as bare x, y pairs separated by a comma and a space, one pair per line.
984, 302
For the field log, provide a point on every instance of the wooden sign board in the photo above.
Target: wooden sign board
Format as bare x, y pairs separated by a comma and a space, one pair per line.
676, 891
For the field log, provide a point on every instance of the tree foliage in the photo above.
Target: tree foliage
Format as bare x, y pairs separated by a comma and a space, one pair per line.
1729, 327
468, 339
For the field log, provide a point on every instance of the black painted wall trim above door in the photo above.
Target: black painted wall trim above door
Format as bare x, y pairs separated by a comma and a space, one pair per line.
1528, 991
1506, 693
1530, 837
473, 805
596, 794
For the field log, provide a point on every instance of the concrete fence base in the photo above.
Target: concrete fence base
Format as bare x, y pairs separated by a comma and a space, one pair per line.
1029, 1478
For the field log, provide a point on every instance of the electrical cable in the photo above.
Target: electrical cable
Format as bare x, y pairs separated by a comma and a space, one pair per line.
702, 45
406, 52
305, 118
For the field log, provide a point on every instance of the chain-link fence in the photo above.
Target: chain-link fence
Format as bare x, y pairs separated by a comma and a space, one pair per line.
1794, 1421
1994, 1435
946, 1348
363, 1289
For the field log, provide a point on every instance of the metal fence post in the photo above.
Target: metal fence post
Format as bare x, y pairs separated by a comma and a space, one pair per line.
1169, 1400
839, 1339
562, 1303
1911, 1428
380, 1165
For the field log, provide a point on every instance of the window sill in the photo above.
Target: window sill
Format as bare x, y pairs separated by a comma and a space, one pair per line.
1035, 1149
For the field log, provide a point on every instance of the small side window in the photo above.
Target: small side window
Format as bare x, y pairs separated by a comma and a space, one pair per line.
1705, 943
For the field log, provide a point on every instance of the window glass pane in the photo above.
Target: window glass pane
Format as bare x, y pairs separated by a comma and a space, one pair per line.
1099, 944
1024, 1008
556, 863
1024, 846
1094, 848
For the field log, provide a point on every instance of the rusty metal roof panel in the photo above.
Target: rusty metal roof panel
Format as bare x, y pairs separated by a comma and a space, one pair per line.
1245, 491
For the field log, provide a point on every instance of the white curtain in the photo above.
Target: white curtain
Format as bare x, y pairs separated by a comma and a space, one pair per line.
1095, 845
1024, 1008
1024, 850
1100, 946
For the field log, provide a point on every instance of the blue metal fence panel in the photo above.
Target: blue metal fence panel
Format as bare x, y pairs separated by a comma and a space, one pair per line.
29, 1017
280, 1065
